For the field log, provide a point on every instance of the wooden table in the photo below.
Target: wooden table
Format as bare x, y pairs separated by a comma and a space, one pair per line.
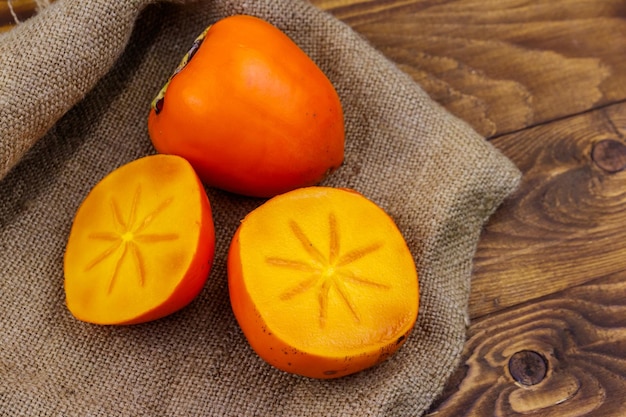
545, 82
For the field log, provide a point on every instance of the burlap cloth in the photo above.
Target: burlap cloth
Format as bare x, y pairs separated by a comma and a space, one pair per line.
75, 85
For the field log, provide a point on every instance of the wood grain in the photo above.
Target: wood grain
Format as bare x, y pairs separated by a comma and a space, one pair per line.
545, 81
565, 224
501, 65
15, 11
581, 336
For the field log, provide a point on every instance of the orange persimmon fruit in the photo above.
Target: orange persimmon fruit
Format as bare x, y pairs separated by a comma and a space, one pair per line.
141, 245
250, 111
322, 282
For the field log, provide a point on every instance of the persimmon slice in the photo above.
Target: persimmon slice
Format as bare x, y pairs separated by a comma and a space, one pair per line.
141, 245
322, 282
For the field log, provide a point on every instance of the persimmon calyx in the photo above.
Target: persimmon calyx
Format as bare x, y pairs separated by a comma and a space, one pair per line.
159, 101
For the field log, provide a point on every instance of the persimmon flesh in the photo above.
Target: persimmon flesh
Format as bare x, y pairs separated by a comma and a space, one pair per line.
250, 111
322, 282
141, 244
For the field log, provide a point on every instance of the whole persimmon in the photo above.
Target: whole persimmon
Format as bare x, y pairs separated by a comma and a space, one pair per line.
141, 244
322, 282
250, 111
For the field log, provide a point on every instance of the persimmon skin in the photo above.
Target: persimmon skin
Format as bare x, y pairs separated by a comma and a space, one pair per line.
343, 353
251, 112
141, 245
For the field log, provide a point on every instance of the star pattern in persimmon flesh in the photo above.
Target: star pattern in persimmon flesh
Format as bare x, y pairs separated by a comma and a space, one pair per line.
127, 238
327, 272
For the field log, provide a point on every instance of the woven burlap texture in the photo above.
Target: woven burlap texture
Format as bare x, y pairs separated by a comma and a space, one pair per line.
75, 86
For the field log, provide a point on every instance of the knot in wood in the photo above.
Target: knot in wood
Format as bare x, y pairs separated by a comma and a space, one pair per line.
609, 155
528, 367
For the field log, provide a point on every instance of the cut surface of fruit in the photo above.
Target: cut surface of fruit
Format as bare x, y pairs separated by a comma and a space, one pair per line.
322, 282
141, 244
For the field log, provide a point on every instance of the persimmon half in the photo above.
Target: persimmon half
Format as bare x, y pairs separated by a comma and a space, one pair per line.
250, 111
141, 245
322, 282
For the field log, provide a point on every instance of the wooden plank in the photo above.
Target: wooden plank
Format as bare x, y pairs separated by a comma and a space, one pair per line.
565, 224
561, 356
501, 65
14, 11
